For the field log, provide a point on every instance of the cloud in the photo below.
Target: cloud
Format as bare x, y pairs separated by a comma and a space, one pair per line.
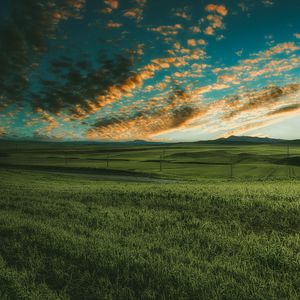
287, 109
209, 30
215, 21
192, 42
136, 12
220, 9
166, 30
246, 127
239, 113
111, 24
267, 98
2, 131
183, 13
182, 110
269, 63
202, 42
178, 112
51, 122
268, 3
114, 4
195, 29
83, 87
215, 18
24, 36
210, 88
286, 48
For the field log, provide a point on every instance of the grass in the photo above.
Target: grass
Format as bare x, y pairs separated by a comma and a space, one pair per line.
186, 161
77, 237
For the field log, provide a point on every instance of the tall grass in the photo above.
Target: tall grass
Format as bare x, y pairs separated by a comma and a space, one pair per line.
78, 238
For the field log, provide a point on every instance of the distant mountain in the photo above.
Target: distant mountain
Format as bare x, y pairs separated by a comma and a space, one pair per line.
232, 140
104, 143
249, 140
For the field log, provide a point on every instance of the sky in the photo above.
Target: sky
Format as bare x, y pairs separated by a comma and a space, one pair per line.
169, 71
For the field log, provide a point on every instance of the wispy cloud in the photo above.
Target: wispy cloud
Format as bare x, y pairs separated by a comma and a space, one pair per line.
166, 29
110, 6
183, 13
111, 24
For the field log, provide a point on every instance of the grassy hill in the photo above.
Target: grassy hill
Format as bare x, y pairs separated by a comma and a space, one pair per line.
85, 238
187, 160
168, 221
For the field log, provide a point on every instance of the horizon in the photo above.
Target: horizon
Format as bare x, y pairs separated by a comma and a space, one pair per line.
141, 140
177, 71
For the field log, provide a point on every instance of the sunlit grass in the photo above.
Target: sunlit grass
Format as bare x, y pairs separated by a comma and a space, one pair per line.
81, 238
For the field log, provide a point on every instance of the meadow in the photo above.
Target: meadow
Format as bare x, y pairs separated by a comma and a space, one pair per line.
89, 222
189, 161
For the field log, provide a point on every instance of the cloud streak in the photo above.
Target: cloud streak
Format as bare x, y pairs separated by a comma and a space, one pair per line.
183, 112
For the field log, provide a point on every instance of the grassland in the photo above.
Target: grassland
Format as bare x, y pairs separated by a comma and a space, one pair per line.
187, 161
75, 228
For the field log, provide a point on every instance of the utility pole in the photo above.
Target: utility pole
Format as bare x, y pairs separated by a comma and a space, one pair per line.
287, 161
231, 167
160, 163
107, 161
231, 170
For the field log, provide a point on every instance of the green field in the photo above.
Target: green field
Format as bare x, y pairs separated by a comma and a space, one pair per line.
186, 161
97, 222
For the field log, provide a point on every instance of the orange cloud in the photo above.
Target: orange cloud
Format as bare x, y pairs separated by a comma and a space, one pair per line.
216, 21
2, 131
209, 30
184, 110
220, 9
267, 98
263, 64
112, 24
247, 127
202, 42
286, 48
287, 109
192, 42
110, 6
195, 29
113, 4
74, 7
166, 30
51, 122
136, 12
182, 13
77, 4
177, 114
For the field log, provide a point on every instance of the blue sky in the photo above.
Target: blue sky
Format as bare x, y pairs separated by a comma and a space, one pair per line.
146, 69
